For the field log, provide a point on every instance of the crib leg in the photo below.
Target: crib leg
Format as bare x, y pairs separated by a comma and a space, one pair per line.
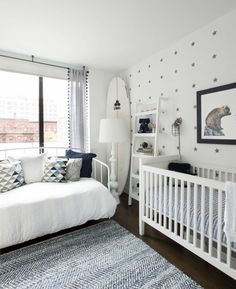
141, 227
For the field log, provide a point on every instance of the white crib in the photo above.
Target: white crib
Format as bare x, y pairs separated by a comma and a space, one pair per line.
188, 209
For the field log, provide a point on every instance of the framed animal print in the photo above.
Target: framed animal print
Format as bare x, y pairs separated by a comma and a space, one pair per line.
216, 115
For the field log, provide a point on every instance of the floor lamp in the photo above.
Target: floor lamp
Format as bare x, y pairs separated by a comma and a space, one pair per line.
113, 130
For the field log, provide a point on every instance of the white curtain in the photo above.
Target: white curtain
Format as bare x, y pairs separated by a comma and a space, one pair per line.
78, 101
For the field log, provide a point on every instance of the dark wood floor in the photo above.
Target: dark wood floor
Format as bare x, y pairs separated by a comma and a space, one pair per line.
199, 270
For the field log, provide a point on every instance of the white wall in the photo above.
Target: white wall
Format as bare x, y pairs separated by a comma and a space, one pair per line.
203, 59
98, 86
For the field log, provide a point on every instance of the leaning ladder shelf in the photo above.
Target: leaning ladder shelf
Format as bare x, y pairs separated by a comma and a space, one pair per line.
143, 110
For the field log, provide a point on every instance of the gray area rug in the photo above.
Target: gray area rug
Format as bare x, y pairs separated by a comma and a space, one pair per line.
101, 256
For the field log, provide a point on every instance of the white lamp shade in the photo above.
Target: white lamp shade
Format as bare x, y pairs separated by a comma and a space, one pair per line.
113, 130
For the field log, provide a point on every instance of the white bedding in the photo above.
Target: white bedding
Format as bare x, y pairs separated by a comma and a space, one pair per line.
38, 209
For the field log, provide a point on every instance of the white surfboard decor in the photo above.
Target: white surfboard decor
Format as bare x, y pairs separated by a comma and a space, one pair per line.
118, 106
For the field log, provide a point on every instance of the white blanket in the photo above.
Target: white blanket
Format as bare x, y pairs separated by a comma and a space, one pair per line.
38, 209
230, 211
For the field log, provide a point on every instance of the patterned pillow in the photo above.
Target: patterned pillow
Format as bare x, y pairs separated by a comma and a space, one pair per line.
55, 170
11, 175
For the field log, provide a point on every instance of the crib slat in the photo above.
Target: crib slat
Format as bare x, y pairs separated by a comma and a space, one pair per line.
203, 195
165, 200
160, 199
219, 220
155, 198
151, 196
182, 209
147, 193
188, 212
170, 203
210, 220
175, 207
195, 215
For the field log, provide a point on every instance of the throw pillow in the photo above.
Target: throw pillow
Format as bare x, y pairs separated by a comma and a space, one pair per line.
55, 170
11, 175
87, 158
73, 170
33, 167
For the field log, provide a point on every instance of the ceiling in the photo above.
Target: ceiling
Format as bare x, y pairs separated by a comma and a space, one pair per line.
106, 34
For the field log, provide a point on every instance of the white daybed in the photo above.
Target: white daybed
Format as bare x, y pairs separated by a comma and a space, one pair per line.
37, 209
188, 209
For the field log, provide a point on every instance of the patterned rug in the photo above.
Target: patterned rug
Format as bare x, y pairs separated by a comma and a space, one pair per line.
104, 255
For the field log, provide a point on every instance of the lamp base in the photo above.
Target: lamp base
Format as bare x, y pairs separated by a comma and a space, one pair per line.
113, 181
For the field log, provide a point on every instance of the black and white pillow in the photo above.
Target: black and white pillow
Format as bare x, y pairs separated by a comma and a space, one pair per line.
55, 170
11, 175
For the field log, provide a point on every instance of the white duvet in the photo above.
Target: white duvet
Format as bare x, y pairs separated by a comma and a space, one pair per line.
38, 209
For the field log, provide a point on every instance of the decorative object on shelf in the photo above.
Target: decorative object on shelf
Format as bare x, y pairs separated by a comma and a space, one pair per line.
144, 122
213, 104
175, 130
145, 148
113, 131
152, 127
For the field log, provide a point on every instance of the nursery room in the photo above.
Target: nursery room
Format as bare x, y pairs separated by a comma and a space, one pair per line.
117, 144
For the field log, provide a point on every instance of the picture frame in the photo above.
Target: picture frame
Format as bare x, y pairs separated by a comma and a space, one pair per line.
216, 115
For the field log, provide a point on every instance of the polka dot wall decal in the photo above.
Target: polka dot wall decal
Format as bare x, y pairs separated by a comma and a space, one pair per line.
139, 100
176, 71
194, 85
215, 79
193, 43
163, 147
195, 149
195, 106
195, 127
217, 150
163, 129
176, 90
139, 71
177, 109
161, 60
214, 56
176, 52
130, 75
149, 81
193, 64
162, 94
149, 66
161, 76
139, 85
214, 32
130, 89
177, 147
149, 97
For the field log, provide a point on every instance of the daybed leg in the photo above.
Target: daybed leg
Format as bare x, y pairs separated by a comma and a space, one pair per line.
130, 201
141, 227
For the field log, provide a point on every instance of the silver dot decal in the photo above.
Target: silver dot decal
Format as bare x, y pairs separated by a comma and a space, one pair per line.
176, 90
161, 60
215, 79
193, 64
193, 43
149, 66
195, 106
163, 147
177, 109
194, 85
149, 81
149, 97
162, 94
176, 52
217, 150
214, 32
161, 76
214, 56
139, 71
130, 75
195, 149
176, 71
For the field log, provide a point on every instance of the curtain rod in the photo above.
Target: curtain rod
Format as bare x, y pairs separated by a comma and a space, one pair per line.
37, 62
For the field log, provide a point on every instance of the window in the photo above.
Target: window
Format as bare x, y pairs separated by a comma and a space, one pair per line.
33, 111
